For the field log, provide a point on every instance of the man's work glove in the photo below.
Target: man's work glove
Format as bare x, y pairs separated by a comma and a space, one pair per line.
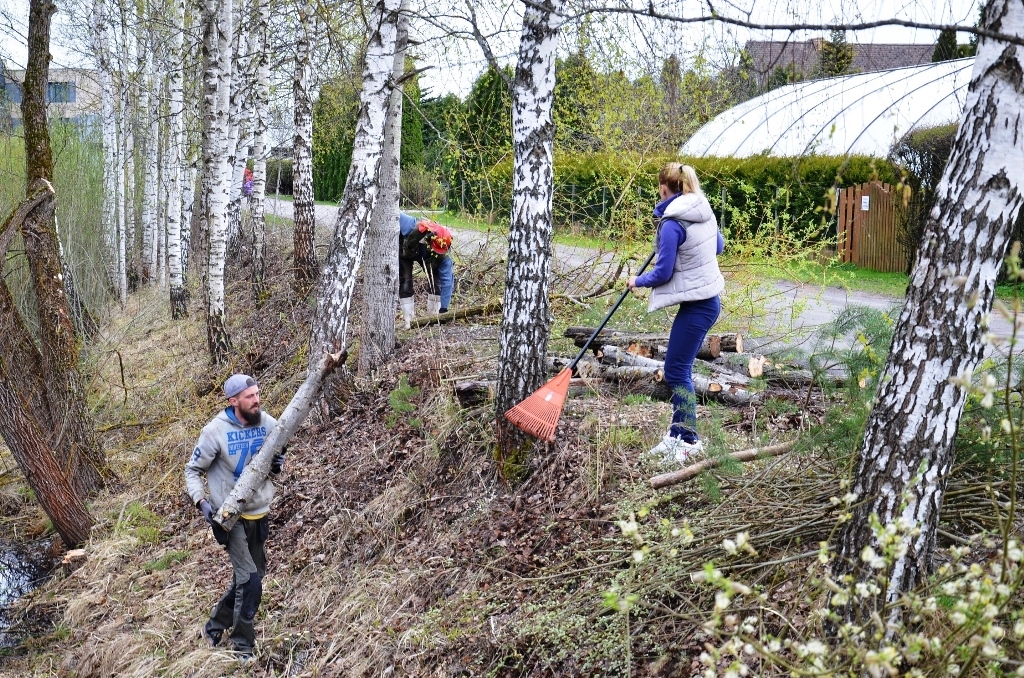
433, 304
207, 510
277, 463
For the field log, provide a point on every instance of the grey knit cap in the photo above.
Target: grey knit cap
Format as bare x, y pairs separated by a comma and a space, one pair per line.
237, 383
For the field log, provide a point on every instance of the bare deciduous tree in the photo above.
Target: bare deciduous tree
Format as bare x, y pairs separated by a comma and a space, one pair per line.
306, 267
908, 449
380, 270
525, 323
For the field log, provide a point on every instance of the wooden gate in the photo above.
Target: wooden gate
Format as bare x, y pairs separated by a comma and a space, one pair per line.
867, 228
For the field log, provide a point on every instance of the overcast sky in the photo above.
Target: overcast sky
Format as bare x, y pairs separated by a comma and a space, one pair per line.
456, 64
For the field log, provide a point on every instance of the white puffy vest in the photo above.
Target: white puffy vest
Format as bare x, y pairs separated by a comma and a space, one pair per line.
696, 275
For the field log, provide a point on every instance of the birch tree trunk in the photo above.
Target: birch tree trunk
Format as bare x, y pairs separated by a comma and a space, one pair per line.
336, 284
526, 321
306, 267
218, 38
178, 298
122, 268
908, 447
238, 138
163, 177
188, 198
149, 112
130, 221
334, 298
261, 104
380, 270
108, 219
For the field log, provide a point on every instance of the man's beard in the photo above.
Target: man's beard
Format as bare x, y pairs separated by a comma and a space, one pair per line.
251, 417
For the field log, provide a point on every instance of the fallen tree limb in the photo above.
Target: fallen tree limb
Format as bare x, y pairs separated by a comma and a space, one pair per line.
489, 308
690, 472
651, 345
720, 386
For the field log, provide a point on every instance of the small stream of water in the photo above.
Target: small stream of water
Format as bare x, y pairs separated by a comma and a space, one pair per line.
19, 574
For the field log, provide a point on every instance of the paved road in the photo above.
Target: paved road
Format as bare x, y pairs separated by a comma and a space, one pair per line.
786, 313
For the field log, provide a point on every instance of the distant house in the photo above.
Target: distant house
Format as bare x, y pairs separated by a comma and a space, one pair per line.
801, 58
72, 95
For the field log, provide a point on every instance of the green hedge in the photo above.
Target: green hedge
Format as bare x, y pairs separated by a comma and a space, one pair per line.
612, 194
284, 166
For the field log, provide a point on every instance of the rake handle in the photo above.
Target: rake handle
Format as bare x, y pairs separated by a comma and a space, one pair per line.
622, 298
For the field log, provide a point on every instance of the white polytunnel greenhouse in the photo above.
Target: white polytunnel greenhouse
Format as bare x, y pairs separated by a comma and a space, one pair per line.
864, 113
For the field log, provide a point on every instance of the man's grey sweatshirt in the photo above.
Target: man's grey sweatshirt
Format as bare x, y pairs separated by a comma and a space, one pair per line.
224, 449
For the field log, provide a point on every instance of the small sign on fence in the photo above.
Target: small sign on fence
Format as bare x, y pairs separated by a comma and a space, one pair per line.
865, 203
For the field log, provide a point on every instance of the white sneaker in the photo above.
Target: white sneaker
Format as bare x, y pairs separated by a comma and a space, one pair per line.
676, 450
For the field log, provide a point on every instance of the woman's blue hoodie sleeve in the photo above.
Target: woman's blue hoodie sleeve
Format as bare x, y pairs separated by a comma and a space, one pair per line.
670, 237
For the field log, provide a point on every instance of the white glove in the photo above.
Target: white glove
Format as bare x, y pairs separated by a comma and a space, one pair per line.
433, 304
408, 311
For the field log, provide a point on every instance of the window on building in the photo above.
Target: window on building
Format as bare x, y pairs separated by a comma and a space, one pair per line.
13, 92
60, 92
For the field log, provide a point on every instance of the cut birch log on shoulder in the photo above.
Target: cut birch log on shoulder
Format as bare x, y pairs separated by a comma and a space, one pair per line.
682, 475
490, 308
287, 424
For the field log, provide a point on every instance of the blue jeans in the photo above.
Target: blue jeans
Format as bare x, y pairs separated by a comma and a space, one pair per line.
693, 320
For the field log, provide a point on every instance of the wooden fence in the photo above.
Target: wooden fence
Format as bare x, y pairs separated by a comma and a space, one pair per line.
867, 228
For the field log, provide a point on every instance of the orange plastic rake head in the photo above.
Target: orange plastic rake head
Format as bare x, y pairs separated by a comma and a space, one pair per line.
538, 415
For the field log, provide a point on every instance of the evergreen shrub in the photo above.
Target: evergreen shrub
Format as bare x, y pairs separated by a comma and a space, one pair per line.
284, 166
612, 194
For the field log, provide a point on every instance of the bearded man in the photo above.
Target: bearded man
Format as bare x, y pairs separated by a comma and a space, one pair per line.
226, 446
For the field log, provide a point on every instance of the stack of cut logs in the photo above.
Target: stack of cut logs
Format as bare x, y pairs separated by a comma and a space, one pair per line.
722, 371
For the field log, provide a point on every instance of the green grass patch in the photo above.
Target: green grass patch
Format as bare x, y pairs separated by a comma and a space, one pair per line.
830, 274
139, 521
401, 404
166, 560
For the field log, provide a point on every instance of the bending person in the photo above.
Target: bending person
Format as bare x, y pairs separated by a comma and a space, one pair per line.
426, 243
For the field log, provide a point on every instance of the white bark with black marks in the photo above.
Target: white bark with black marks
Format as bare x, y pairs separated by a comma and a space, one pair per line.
908, 447
261, 149
303, 206
334, 299
108, 123
218, 19
380, 271
149, 110
178, 298
526, 320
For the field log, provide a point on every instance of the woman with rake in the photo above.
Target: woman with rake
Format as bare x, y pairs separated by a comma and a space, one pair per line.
686, 274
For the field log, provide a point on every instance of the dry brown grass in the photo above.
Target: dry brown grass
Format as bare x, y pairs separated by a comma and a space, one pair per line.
395, 548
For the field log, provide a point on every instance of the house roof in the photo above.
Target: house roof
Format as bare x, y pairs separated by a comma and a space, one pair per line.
767, 55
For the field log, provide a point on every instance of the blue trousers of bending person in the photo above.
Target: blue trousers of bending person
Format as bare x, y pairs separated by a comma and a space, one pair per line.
693, 321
